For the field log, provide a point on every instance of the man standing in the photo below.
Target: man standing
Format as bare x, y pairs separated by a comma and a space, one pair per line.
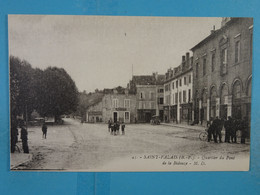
44, 130
210, 129
14, 134
228, 128
219, 129
109, 125
117, 127
216, 128
24, 137
123, 128
244, 130
235, 127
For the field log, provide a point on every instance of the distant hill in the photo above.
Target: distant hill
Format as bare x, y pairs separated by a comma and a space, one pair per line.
86, 100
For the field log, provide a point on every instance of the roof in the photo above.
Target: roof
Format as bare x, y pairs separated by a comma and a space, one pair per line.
214, 34
148, 79
161, 79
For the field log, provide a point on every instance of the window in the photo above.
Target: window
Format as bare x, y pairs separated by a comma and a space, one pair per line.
204, 66
166, 87
160, 90
127, 116
127, 103
141, 95
197, 70
189, 78
237, 51
152, 105
176, 84
172, 85
115, 103
180, 83
224, 61
184, 96
189, 95
185, 82
161, 100
213, 62
167, 99
176, 98
151, 95
180, 97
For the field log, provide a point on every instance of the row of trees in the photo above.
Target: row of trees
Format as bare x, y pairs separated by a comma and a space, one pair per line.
51, 92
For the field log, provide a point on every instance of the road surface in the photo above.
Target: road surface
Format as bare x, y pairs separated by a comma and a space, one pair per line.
90, 147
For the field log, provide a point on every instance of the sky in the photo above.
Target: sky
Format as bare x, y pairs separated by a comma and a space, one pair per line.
104, 51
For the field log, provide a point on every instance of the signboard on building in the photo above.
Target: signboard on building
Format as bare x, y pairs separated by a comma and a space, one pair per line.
120, 109
95, 113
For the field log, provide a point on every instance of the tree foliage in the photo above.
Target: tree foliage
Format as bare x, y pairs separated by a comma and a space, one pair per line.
51, 92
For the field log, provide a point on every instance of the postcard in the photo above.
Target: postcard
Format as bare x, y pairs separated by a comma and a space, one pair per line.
120, 93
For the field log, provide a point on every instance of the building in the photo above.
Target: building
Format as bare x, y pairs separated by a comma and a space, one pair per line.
94, 113
149, 95
119, 105
116, 105
178, 92
223, 71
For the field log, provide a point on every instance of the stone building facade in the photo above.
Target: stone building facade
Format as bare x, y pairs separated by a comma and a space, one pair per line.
223, 71
94, 113
160, 101
178, 92
119, 106
146, 88
116, 105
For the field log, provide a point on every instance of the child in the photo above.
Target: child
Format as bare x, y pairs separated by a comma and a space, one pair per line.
123, 128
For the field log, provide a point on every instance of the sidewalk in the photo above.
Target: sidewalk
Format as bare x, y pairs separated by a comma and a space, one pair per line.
17, 159
186, 126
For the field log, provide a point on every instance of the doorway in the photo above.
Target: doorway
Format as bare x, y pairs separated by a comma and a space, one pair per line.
115, 117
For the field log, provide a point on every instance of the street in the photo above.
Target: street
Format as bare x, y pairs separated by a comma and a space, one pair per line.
90, 147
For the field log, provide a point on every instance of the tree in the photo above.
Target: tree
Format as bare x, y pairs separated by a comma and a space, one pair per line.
22, 94
51, 92
59, 94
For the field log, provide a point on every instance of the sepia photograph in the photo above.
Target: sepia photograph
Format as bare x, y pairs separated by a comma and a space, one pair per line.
129, 93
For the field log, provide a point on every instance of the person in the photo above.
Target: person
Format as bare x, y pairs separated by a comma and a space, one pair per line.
244, 130
109, 125
24, 137
215, 129
228, 128
235, 127
210, 129
112, 128
117, 127
123, 128
220, 123
14, 135
44, 130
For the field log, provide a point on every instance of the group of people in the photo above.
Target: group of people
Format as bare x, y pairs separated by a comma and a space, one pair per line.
24, 134
114, 128
231, 127
15, 134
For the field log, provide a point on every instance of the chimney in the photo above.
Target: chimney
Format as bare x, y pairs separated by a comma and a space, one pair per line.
187, 59
213, 30
183, 62
183, 59
191, 60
